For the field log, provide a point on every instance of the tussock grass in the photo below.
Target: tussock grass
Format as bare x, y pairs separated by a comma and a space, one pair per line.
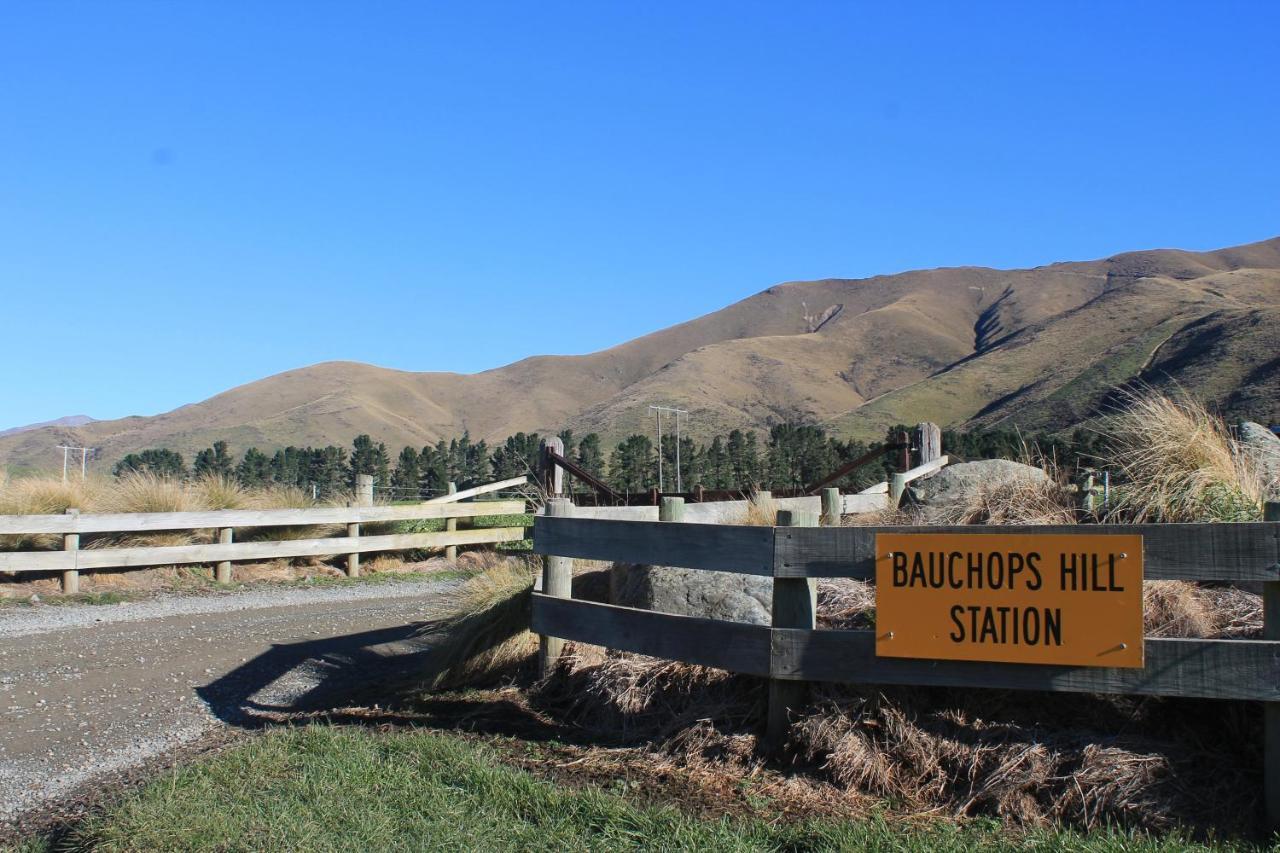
145, 492
488, 629
761, 511
1180, 463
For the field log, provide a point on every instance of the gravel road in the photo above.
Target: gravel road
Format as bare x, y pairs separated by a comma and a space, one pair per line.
90, 691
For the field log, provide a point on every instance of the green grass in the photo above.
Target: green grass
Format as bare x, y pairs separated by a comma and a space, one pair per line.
321, 788
375, 578
435, 525
89, 598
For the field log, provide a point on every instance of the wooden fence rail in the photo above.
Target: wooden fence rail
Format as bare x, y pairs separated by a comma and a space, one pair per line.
1214, 669
74, 557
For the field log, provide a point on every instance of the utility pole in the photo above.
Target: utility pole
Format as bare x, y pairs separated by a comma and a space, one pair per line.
84, 460
657, 415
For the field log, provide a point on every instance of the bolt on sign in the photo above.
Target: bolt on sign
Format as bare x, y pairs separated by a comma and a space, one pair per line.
1010, 597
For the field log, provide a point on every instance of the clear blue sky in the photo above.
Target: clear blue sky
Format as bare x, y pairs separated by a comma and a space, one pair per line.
196, 195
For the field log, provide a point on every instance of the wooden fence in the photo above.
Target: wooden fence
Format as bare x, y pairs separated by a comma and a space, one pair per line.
793, 650
73, 558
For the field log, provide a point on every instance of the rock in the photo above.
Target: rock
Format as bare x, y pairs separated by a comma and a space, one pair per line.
1264, 446
938, 496
693, 592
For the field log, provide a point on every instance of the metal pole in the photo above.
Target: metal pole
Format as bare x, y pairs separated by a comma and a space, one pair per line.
84, 457
657, 414
64, 463
679, 482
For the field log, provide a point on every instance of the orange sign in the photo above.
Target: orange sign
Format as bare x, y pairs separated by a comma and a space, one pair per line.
1020, 598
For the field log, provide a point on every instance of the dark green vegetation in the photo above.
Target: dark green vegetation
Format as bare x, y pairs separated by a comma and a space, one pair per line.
791, 456
319, 788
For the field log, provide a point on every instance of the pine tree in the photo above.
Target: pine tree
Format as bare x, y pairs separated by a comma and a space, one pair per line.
744, 460
158, 461
589, 455
633, 464
254, 469
214, 461
328, 470
718, 473
404, 480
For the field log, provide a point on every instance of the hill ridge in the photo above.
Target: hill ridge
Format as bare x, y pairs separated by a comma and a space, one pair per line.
965, 345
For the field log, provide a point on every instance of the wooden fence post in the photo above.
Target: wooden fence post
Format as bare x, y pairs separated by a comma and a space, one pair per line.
557, 580
929, 440
353, 559
831, 507
553, 474
364, 490
71, 577
364, 497
795, 605
897, 486
450, 525
1271, 710
222, 572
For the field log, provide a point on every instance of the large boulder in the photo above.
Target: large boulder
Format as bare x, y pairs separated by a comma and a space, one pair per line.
693, 592
1263, 446
944, 496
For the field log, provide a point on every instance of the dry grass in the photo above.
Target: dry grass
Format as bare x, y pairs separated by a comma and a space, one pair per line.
1017, 500
1080, 760
1180, 464
43, 496
761, 511
488, 631
1010, 755
145, 492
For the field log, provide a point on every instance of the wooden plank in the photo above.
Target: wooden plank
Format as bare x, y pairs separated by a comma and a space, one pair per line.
925, 469
735, 646
881, 488
719, 547
1211, 669
866, 502
103, 558
141, 522
1229, 552
479, 490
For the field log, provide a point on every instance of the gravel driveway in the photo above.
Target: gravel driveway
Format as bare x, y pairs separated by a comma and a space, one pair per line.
88, 691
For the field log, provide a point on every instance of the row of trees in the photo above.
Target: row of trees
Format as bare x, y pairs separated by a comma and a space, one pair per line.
792, 455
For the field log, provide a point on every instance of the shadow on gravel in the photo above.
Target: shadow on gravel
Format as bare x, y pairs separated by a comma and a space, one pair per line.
317, 675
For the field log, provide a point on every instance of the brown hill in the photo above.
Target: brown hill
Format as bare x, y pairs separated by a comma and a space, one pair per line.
1043, 347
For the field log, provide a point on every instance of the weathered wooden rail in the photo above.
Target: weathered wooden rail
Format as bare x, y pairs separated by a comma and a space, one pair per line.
73, 558
794, 650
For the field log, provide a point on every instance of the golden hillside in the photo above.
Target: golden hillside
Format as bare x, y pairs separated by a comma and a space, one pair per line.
1042, 347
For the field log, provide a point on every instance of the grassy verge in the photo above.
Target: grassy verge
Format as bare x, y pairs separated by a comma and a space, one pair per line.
320, 788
